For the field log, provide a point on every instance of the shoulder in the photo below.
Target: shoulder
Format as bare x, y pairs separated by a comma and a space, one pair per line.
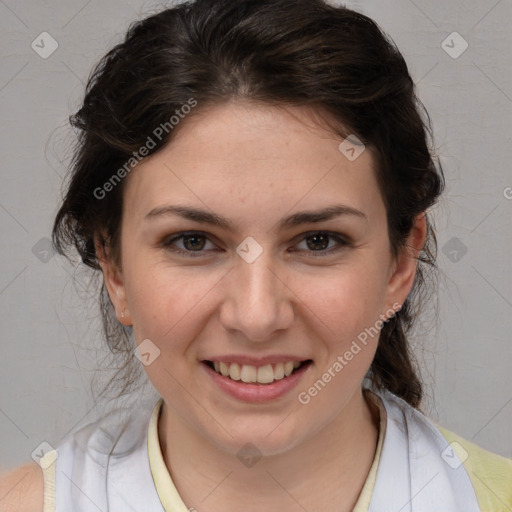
22, 488
490, 474
87, 452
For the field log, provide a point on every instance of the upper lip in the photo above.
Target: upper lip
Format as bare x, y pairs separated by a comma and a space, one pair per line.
256, 361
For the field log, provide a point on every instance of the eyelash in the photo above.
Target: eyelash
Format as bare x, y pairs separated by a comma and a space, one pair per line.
343, 243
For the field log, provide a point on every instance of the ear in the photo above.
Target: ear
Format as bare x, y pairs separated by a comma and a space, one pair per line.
113, 278
404, 268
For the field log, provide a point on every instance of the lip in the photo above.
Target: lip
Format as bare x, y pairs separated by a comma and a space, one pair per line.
257, 393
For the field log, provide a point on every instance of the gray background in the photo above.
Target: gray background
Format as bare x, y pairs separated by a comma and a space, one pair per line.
51, 343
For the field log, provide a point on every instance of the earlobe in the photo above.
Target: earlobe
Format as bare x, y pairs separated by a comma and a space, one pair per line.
113, 279
404, 269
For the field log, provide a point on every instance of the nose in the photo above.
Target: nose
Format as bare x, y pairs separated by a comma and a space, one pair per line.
258, 302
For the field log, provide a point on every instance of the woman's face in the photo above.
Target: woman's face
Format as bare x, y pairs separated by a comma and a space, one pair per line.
273, 282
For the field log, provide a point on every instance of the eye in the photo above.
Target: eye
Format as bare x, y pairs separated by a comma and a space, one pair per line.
193, 242
319, 241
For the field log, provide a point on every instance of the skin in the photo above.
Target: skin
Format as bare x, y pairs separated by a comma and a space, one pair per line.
254, 164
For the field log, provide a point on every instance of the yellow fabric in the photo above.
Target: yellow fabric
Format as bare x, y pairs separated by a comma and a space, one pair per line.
172, 501
167, 492
490, 474
363, 502
47, 463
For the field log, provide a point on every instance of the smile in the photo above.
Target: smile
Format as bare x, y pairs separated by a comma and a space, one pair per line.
266, 374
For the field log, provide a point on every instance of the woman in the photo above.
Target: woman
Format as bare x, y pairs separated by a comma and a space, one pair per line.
253, 180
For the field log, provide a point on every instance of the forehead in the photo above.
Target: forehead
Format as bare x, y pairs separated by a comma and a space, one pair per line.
257, 155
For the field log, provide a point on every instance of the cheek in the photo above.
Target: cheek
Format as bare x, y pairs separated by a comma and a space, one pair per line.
167, 308
346, 300
165, 301
346, 311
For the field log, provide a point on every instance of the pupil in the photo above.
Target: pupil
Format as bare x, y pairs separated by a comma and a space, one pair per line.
316, 238
194, 245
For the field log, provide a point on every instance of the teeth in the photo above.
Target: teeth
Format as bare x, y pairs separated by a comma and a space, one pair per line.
250, 374
234, 371
288, 368
279, 371
265, 374
224, 369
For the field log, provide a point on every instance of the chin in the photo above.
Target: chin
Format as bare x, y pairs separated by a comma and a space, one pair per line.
266, 438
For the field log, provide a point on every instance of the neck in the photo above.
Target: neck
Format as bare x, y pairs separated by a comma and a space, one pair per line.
327, 472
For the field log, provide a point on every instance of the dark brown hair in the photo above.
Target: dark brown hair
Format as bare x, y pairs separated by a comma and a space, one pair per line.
278, 52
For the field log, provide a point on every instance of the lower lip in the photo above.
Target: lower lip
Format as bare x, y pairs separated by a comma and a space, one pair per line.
257, 392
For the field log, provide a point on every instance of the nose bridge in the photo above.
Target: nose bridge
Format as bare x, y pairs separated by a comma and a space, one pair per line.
259, 283
257, 301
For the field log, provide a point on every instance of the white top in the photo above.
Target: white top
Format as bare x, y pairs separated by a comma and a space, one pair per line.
116, 465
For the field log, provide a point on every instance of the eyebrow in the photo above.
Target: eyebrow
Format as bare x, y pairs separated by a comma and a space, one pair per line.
296, 219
